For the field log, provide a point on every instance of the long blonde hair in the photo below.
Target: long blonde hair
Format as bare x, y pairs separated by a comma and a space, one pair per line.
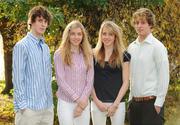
116, 57
65, 47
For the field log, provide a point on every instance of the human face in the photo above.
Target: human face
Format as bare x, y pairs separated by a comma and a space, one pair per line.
39, 26
107, 37
142, 27
76, 36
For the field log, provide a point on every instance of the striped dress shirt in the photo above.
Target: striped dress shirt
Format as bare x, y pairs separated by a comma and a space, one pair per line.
32, 74
74, 81
149, 69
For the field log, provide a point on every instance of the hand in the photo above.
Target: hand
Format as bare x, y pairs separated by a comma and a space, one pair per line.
158, 109
22, 111
82, 102
102, 106
112, 109
77, 111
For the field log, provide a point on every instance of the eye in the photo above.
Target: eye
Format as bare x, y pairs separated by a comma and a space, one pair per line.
79, 34
136, 22
46, 21
111, 34
40, 20
104, 33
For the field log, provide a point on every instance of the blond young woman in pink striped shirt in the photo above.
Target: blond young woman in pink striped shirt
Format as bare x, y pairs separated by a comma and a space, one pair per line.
74, 73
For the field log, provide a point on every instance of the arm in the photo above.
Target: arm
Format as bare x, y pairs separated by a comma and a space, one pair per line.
83, 100
19, 64
122, 91
60, 76
130, 85
50, 68
102, 107
125, 84
162, 65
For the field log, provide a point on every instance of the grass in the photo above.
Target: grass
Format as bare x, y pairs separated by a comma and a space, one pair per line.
172, 104
6, 110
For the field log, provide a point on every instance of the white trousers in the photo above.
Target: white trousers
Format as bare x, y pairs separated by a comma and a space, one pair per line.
65, 111
99, 118
30, 117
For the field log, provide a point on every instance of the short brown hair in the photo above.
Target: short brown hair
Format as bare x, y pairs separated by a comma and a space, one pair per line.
39, 11
144, 13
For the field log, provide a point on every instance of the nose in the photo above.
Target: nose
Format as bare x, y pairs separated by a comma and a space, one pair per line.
75, 35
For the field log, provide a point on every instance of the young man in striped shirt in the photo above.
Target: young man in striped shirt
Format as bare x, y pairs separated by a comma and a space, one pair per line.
32, 73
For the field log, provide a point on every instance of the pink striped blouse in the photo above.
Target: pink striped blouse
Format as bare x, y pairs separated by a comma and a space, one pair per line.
73, 82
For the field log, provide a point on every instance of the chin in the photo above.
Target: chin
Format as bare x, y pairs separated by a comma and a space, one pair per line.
41, 31
141, 34
76, 44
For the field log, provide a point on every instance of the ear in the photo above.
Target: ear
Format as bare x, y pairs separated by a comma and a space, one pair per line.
29, 24
150, 26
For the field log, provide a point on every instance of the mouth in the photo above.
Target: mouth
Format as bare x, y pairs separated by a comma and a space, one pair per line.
106, 40
76, 41
42, 29
139, 30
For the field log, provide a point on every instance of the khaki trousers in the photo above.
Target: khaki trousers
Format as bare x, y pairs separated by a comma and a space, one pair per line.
30, 117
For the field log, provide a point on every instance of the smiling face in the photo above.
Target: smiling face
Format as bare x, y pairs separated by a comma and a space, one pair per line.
39, 26
107, 36
75, 36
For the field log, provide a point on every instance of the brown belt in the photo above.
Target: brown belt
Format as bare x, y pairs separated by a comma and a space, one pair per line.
141, 99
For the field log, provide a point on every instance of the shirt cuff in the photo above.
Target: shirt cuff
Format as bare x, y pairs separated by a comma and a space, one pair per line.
83, 97
75, 97
159, 101
22, 105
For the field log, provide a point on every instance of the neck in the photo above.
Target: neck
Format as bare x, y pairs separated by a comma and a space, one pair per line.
108, 52
36, 34
142, 38
75, 48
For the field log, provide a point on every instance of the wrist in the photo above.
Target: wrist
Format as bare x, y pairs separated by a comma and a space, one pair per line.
81, 107
116, 104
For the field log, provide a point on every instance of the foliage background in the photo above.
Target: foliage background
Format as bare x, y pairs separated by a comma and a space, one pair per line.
13, 26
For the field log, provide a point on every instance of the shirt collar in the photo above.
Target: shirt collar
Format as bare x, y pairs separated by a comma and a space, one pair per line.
35, 39
148, 39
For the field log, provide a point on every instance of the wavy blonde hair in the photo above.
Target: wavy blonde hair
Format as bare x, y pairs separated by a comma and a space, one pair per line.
65, 47
118, 48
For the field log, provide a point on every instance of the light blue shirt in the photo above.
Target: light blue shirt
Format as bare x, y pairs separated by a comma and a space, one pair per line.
149, 69
32, 73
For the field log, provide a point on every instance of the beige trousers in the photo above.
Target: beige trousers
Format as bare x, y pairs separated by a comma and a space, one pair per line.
30, 117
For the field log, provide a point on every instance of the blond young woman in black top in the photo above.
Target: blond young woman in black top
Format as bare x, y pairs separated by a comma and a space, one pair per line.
111, 67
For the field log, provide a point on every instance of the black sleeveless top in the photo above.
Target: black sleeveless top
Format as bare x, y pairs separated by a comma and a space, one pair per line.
108, 80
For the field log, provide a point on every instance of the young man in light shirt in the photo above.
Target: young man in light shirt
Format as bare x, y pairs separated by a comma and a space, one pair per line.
32, 73
149, 72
